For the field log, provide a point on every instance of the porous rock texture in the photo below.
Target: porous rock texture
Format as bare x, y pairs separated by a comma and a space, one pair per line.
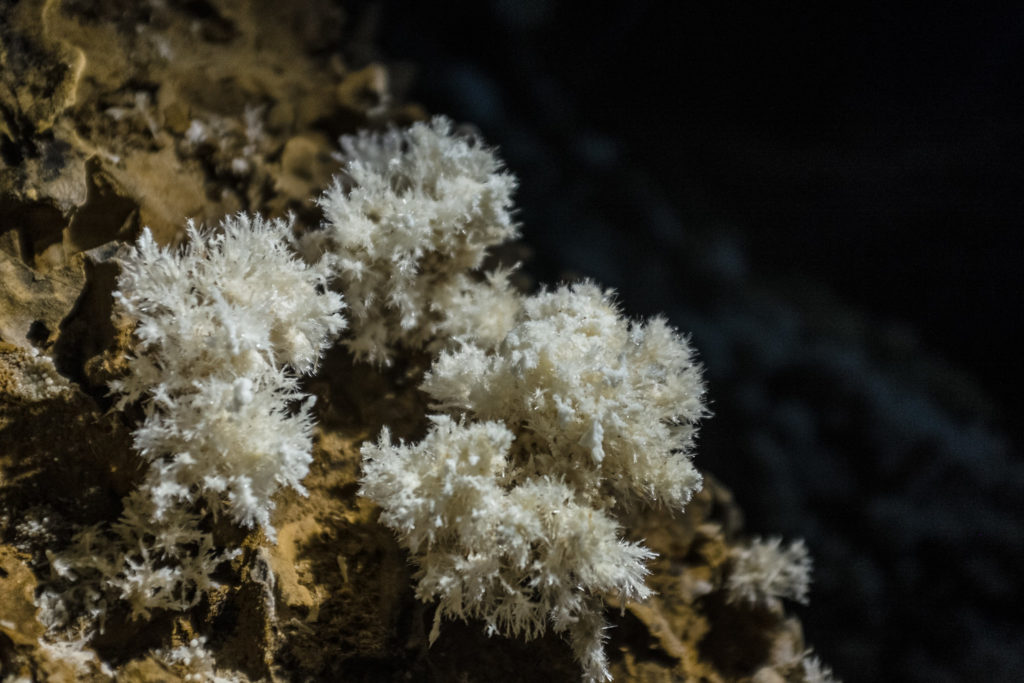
117, 115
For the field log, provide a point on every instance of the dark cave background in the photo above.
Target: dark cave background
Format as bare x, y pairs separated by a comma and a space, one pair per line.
828, 197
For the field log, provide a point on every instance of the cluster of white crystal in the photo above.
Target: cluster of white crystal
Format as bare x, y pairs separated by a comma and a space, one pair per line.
409, 219
509, 504
764, 571
225, 326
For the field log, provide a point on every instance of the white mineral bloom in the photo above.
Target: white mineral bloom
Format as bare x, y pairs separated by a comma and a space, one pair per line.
413, 213
567, 414
764, 571
225, 325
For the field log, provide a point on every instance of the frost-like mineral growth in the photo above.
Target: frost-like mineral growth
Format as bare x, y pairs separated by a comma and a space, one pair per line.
764, 571
194, 662
225, 325
609, 406
28, 377
510, 511
517, 557
816, 672
149, 565
409, 219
